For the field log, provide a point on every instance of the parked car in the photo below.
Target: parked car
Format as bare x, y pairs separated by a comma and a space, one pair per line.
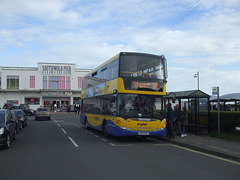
7, 106
43, 113
22, 116
26, 109
17, 120
7, 128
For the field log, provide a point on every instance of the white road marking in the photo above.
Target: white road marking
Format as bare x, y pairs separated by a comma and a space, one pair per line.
75, 144
64, 131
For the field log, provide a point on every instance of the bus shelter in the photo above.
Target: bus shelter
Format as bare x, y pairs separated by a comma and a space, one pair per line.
197, 104
232, 101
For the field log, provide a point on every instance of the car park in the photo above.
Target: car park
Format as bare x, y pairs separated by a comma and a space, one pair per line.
22, 116
7, 128
42, 113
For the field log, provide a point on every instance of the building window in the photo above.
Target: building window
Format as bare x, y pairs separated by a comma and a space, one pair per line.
79, 82
56, 82
44, 82
12, 82
68, 82
32, 81
13, 102
32, 101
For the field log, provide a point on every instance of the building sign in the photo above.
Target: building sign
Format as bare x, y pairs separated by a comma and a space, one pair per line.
60, 69
59, 93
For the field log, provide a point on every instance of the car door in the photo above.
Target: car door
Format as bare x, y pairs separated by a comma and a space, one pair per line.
10, 124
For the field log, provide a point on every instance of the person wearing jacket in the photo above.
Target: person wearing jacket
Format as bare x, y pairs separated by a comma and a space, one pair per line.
170, 119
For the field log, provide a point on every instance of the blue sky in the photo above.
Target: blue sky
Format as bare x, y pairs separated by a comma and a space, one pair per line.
194, 35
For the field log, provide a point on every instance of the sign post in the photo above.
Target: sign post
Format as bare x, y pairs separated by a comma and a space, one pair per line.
215, 91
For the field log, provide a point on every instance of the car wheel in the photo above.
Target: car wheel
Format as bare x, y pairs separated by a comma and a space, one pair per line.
17, 129
23, 124
14, 135
8, 142
20, 128
86, 124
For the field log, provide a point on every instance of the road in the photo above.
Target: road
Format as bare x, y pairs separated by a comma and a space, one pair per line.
61, 149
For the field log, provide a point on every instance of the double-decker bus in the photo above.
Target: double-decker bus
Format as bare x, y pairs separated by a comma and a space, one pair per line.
125, 96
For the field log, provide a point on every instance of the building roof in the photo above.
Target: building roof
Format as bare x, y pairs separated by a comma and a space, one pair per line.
188, 94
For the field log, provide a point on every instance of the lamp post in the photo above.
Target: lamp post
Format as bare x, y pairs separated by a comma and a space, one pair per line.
197, 76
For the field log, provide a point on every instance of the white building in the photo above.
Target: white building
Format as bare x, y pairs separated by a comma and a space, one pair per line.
45, 85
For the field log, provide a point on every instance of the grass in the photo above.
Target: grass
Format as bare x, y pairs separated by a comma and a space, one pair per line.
231, 135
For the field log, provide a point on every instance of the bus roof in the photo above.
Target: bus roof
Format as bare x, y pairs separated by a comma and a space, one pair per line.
113, 58
95, 69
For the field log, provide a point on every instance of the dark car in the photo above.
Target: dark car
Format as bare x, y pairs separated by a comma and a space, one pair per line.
26, 109
17, 120
7, 106
7, 128
22, 117
43, 113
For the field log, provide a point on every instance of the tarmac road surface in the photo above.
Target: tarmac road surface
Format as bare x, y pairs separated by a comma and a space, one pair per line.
62, 149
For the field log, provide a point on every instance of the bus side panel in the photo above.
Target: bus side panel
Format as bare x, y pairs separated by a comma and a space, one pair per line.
82, 118
118, 131
111, 86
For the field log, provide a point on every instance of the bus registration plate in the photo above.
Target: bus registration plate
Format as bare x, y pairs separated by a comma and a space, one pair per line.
143, 133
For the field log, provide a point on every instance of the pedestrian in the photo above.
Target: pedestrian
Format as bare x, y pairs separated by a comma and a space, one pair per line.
177, 121
170, 119
184, 119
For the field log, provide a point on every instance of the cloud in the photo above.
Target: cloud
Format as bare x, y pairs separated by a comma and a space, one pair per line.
88, 33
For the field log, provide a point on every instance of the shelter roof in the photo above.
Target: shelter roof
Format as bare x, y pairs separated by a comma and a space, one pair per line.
226, 97
188, 94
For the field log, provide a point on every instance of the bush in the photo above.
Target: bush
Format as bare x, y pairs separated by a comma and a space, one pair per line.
229, 120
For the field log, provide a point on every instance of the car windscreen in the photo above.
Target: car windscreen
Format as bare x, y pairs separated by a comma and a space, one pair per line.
19, 113
2, 118
42, 109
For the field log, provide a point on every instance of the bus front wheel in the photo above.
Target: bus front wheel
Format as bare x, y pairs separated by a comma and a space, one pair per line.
104, 129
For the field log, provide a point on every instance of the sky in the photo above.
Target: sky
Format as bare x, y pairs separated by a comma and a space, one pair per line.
194, 35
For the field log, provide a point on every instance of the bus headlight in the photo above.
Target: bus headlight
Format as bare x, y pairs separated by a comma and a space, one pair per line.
159, 129
1, 131
126, 128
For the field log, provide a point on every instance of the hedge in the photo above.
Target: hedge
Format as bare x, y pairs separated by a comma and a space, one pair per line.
229, 120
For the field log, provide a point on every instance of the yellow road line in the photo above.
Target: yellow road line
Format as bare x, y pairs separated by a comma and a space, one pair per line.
206, 154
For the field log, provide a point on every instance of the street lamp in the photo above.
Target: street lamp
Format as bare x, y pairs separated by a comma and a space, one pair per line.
197, 76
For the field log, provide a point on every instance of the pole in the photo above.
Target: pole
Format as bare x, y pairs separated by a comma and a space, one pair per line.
197, 76
218, 110
198, 79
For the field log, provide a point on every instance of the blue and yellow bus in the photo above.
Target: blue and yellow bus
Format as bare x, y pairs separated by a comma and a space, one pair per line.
125, 96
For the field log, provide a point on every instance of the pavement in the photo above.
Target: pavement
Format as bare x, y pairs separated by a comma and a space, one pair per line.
216, 146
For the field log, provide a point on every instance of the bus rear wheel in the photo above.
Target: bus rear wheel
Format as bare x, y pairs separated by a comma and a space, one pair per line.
86, 124
104, 129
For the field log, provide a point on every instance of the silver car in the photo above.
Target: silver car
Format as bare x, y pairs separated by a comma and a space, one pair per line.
43, 113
